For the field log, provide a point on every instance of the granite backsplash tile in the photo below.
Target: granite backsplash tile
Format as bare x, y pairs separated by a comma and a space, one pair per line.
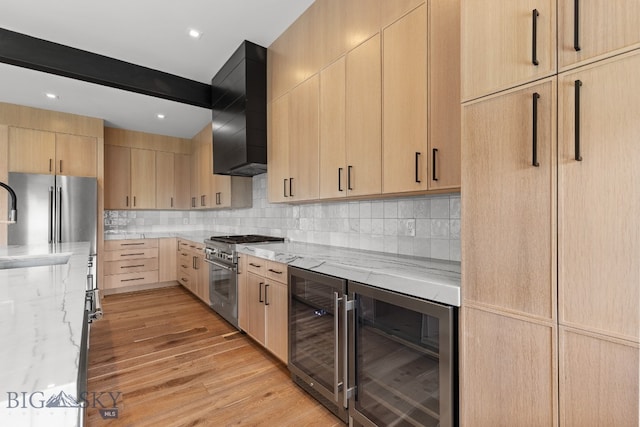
420, 225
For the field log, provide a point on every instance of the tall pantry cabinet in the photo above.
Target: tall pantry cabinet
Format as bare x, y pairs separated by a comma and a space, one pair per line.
550, 255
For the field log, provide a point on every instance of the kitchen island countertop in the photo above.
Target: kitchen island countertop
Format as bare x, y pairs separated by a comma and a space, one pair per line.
41, 319
427, 278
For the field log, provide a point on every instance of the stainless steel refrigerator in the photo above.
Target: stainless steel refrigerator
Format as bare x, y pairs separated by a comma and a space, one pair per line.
54, 209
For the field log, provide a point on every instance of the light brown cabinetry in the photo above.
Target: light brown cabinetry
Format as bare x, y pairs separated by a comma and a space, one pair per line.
42, 152
278, 149
304, 140
405, 115
129, 264
350, 110
242, 291
362, 175
599, 225
193, 271
497, 45
172, 180
130, 174
598, 380
514, 271
508, 371
167, 268
181, 181
266, 303
602, 28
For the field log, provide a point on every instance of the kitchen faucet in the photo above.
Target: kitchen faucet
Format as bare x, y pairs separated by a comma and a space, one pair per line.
13, 211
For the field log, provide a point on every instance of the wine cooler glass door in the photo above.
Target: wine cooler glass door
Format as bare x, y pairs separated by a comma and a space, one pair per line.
402, 360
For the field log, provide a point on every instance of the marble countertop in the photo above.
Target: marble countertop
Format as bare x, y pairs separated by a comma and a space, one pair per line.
427, 278
41, 319
195, 236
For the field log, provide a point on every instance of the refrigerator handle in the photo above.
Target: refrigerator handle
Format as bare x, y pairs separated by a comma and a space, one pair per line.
336, 346
50, 214
59, 215
346, 391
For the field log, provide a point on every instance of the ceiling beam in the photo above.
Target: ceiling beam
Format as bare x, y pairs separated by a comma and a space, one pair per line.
42, 55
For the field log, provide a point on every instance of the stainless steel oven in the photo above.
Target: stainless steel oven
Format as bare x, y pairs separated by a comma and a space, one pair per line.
373, 357
222, 256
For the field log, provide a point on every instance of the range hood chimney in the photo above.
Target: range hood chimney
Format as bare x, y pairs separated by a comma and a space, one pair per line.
239, 109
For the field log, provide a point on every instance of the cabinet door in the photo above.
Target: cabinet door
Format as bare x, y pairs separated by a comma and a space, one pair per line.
194, 175
165, 175
498, 44
255, 307
509, 204
404, 86
599, 201
76, 155
202, 272
363, 119
508, 371
222, 191
205, 166
277, 334
602, 28
598, 381
117, 177
143, 179
243, 298
31, 151
167, 259
304, 140
181, 181
333, 173
278, 150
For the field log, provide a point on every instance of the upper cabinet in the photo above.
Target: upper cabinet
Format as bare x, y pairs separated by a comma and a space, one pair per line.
43, 152
589, 30
375, 112
117, 176
143, 179
506, 43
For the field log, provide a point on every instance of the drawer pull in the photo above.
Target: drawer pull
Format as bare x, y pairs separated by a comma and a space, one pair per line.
266, 295
534, 50
132, 244
535, 162
254, 265
131, 280
184, 266
141, 253
132, 266
274, 271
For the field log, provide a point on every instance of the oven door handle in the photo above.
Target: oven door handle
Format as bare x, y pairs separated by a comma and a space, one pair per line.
221, 265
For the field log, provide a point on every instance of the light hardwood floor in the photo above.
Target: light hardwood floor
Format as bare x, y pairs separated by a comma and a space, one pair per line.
177, 363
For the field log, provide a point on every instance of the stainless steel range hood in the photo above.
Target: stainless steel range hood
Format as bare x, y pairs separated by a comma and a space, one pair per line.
239, 112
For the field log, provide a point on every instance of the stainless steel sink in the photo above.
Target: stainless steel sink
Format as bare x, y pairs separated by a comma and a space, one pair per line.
7, 262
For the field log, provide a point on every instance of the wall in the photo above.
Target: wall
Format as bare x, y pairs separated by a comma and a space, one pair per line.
422, 225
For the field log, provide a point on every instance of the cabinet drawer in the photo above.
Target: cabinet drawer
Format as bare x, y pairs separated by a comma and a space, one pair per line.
276, 271
130, 279
185, 279
130, 266
190, 245
256, 265
185, 260
114, 245
130, 254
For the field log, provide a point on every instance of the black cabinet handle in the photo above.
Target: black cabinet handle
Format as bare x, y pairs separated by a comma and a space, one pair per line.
126, 201
260, 296
534, 162
534, 47
134, 201
578, 84
576, 25
193, 202
266, 294
434, 175
291, 187
284, 190
340, 179
349, 177
417, 167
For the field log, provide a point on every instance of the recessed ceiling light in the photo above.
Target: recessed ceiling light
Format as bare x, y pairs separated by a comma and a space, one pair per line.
51, 95
194, 33
160, 116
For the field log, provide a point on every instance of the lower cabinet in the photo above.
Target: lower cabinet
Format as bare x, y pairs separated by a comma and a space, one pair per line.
263, 296
193, 272
129, 264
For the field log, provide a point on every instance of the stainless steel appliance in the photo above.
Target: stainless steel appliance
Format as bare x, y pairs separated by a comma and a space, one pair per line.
374, 357
54, 209
222, 257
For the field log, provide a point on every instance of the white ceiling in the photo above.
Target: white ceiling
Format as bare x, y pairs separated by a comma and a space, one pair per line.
151, 33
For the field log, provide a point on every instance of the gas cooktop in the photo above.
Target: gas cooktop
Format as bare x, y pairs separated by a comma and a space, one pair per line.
248, 238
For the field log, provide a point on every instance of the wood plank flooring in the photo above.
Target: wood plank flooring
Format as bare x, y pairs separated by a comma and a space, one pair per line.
177, 363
